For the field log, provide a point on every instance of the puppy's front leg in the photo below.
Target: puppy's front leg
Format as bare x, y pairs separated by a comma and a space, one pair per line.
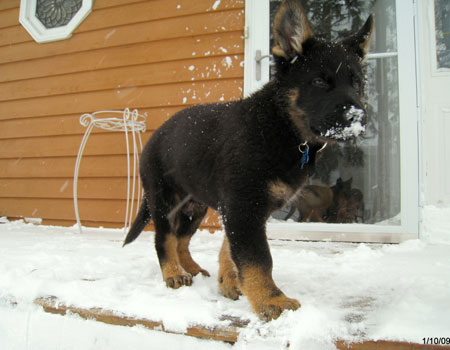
251, 254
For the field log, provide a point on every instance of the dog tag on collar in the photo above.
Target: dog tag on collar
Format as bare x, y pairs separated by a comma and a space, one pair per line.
304, 150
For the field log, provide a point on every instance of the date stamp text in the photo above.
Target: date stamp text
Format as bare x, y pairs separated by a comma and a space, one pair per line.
436, 341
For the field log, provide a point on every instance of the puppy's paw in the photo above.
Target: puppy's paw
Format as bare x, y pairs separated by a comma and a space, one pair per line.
176, 281
271, 308
194, 271
205, 273
229, 285
175, 276
189, 265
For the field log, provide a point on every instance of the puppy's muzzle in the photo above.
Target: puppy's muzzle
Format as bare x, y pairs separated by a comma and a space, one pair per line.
354, 114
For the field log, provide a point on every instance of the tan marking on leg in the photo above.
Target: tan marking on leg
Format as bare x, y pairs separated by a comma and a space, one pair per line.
280, 191
228, 274
173, 273
186, 259
267, 300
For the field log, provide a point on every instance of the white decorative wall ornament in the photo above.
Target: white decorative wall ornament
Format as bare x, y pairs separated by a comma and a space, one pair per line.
52, 20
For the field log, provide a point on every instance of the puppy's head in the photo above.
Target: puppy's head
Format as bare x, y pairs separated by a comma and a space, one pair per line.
325, 79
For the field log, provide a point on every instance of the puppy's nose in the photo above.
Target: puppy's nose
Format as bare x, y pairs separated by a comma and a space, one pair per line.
354, 113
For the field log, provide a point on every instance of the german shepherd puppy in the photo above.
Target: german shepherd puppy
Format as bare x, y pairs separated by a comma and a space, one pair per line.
247, 158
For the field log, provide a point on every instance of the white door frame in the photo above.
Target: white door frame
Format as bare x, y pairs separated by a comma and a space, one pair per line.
435, 112
257, 38
257, 28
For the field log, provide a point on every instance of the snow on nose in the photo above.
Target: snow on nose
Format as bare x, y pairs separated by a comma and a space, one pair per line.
355, 114
356, 117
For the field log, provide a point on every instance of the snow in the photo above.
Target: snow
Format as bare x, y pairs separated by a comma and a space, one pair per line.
216, 4
436, 223
31, 328
348, 291
356, 115
227, 62
111, 33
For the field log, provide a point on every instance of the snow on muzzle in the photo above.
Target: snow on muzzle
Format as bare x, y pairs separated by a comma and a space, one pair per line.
356, 117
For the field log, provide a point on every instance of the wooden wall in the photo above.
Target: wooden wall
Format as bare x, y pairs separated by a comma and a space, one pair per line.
157, 55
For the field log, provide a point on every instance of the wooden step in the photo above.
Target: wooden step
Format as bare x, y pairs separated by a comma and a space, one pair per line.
227, 334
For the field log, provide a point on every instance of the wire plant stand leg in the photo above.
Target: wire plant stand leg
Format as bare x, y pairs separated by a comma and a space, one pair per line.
126, 115
77, 169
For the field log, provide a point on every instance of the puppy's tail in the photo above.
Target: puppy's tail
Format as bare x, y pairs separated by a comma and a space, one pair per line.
142, 219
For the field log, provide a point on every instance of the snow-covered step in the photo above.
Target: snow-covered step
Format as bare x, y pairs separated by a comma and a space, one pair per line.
227, 334
224, 333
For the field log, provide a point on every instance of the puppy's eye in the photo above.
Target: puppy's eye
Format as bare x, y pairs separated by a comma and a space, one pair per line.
320, 83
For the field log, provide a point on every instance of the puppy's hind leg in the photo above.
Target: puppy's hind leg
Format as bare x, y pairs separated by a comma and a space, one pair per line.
185, 224
228, 273
166, 243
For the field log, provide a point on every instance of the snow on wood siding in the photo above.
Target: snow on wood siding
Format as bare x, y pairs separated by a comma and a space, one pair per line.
158, 56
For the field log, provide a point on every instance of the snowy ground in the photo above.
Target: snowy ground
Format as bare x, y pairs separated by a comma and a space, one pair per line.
347, 291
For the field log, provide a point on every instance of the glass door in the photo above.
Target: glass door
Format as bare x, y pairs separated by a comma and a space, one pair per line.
366, 190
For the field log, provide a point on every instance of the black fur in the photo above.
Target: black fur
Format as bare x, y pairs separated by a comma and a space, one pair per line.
227, 155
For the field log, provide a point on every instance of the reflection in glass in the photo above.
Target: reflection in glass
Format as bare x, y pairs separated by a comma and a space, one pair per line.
358, 182
442, 12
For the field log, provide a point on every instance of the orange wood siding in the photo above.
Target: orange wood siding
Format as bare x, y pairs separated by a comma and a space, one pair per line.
157, 55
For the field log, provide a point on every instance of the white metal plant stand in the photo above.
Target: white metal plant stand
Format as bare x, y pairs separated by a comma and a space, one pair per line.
128, 122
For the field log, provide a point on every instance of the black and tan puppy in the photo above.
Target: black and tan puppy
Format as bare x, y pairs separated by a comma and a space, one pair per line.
247, 158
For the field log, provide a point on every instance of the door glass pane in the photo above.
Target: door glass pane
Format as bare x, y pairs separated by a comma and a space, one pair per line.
442, 13
364, 176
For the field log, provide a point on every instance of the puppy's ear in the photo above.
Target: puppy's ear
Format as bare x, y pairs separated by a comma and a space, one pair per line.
360, 42
290, 29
